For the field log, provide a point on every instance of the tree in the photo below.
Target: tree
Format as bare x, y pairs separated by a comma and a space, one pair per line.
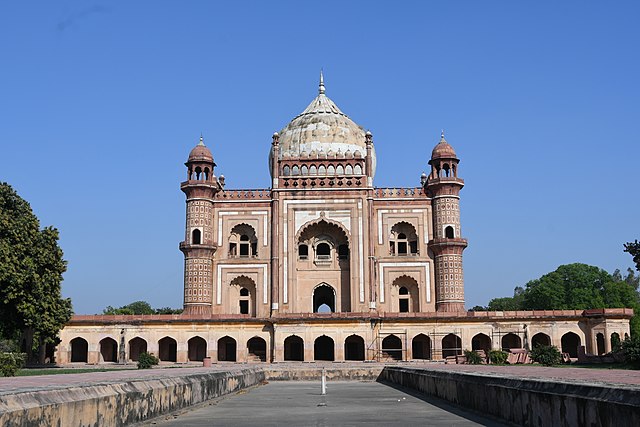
31, 266
513, 303
633, 248
141, 307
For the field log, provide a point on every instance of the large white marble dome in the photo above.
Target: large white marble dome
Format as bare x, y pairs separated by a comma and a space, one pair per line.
322, 129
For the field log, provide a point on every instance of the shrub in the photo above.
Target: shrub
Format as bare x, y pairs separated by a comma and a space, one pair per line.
10, 363
631, 350
547, 355
147, 360
498, 357
473, 358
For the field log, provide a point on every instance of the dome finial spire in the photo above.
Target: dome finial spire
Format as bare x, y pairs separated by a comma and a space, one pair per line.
442, 135
321, 85
201, 140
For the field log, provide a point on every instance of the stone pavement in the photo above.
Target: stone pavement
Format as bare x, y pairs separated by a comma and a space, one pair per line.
584, 375
348, 403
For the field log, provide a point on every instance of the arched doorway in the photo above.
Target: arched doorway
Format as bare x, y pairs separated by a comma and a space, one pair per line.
540, 339
136, 346
167, 349
294, 348
354, 348
392, 347
510, 341
79, 350
481, 342
570, 343
197, 349
600, 343
451, 345
615, 341
109, 350
257, 348
323, 348
405, 295
421, 347
227, 349
324, 299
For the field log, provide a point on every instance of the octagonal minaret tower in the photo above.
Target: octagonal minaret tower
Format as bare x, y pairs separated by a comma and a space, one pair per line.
443, 187
198, 245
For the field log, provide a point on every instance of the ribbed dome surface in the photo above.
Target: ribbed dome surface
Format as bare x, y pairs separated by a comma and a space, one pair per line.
443, 150
200, 153
322, 128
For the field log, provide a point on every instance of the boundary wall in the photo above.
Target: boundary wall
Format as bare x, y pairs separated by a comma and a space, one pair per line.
120, 403
530, 402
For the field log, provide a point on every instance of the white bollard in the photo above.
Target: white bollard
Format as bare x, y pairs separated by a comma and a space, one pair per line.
324, 382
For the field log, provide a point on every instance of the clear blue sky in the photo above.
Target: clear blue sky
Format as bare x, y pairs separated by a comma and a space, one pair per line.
101, 102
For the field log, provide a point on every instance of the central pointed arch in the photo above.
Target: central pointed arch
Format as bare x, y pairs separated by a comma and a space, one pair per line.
324, 298
321, 223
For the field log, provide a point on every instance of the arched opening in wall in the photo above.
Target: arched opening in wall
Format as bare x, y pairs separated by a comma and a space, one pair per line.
167, 350
323, 348
79, 350
294, 348
227, 349
451, 345
286, 171
405, 291
421, 347
448, 232
196, 237
615, 341
392, 347
324, 299
242, 296
198, 172
403, 239
197, 349
136, 346
329, 249
354, 348
540, 339
600, 343
206, 174
570, 343
243, 241
109, 350
510, 341
481, 342
257, 348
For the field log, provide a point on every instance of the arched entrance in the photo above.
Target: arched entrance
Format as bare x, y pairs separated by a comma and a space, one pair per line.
540, 339
167, 349
570, 343
136, 346
405, 295
324, 299
79, 350
242, 296
323, 348
197, 349
294, 348
421, 347
451, 345
392, 347
354, 348
510, 341
481, 342
615, 341
109, 350
257, 348
600, 343
227, 349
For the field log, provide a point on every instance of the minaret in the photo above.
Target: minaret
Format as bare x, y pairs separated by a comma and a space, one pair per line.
198, 246
443, 187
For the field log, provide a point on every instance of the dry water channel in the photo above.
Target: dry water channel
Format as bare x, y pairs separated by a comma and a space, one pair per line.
347, 403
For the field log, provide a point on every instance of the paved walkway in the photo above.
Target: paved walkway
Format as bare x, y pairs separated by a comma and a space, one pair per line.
588, 376
348, 403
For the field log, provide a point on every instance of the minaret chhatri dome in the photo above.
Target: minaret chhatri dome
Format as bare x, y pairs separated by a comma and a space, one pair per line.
322, 127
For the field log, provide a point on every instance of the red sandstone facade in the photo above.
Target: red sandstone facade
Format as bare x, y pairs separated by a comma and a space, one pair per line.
325, 266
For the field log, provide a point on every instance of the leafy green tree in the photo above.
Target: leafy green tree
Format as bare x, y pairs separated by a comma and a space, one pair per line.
633, 248
140, 307
31, 267
513, 303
